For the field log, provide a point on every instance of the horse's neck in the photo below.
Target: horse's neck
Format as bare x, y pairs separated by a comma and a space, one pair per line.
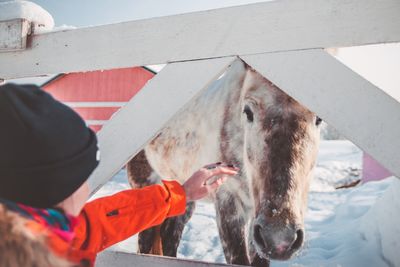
207, 115
213, 112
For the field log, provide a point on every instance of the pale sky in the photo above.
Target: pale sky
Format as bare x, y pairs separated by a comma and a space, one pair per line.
380, 64
95, 12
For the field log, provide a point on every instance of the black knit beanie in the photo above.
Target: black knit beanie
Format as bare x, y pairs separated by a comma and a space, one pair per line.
46, 150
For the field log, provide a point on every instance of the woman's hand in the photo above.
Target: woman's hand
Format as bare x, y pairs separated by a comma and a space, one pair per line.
200, 185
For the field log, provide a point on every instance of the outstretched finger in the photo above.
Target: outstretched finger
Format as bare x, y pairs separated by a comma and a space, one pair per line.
213, 175
217, 183
212, 165
219, 164
223, 170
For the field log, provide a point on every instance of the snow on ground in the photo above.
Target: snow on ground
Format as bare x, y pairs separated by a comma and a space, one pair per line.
333, 235
341, 227
339, 163
30, 11
381, 224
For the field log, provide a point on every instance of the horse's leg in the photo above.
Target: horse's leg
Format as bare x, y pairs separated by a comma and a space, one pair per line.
162, 239
256, 260
172, 229
139, 173
232, 220
231, 226
157, 248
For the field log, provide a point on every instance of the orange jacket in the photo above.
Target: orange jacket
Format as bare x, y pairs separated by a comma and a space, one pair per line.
109, 220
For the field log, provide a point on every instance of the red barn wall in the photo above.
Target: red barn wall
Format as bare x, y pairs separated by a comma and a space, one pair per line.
97, 95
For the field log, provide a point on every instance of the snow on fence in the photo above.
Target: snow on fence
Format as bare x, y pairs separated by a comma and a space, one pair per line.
283, 40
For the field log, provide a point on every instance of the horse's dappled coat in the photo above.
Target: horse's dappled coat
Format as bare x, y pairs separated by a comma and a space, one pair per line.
242, 119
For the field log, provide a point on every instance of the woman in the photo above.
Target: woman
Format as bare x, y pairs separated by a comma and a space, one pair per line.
46, 155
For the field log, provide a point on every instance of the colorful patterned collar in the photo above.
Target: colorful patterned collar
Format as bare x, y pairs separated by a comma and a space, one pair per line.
54, 219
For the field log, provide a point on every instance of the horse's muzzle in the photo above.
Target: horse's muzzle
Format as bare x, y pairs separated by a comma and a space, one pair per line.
277, 241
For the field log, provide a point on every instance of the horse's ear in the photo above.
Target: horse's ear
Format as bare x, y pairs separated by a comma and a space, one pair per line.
247, 67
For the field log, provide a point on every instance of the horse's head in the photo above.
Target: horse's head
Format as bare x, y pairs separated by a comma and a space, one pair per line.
281, 140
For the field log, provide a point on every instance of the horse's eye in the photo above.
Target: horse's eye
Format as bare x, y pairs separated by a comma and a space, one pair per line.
318, 121
249, 113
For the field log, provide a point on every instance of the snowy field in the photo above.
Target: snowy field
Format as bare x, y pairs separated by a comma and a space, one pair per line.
341, 227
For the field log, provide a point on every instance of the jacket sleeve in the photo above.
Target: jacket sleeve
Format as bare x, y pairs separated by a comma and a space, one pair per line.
109, 220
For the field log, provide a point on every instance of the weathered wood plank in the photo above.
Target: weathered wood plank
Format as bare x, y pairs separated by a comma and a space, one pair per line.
257, 28
358, 109
13, 34
120, 259
141, 119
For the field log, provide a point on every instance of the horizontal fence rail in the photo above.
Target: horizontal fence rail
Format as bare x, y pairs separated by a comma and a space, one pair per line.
252, 29
120, 259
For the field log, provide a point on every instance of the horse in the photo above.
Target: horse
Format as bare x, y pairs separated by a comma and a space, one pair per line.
245, 120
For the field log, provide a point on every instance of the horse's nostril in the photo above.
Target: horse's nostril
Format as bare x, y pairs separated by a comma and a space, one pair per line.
258, 235
298, 241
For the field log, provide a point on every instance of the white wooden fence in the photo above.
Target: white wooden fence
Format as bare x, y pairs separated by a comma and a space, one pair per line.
109, 259
283, 40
